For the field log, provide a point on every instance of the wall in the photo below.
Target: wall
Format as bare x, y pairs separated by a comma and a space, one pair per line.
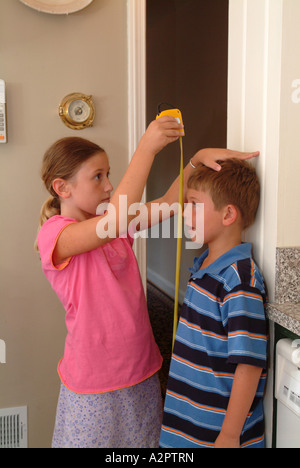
44, 58
288, 229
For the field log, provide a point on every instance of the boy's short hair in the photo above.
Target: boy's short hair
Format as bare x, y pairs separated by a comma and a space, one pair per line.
236, 184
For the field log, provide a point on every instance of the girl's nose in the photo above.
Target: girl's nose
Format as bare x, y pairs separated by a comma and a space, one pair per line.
109, 187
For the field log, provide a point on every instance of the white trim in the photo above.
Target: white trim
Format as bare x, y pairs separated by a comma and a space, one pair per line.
136, 36
254, 91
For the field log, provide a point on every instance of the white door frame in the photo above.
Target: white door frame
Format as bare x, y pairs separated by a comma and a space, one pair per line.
254, 93
136, 27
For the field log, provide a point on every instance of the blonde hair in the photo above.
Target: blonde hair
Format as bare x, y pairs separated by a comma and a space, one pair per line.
62, 161
237, 184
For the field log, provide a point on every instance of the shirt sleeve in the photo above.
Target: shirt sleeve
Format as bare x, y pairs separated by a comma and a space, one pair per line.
47, 240
244, 310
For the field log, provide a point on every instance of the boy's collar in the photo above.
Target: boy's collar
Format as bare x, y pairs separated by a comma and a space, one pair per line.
240, 252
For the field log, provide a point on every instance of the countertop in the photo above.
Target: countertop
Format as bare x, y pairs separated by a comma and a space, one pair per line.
287, 315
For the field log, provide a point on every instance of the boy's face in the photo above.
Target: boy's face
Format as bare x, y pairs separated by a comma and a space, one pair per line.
213, 219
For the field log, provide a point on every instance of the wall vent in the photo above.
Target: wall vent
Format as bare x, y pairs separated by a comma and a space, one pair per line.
13, 428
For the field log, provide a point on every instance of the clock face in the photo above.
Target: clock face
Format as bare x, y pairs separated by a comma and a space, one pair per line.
79, 111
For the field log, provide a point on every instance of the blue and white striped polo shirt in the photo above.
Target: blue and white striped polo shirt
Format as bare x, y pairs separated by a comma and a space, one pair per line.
222, 324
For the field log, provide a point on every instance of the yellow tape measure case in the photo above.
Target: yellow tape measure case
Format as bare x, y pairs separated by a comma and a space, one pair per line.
172, 113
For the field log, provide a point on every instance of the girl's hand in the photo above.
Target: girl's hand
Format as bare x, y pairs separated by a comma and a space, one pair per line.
159, 134
209, 157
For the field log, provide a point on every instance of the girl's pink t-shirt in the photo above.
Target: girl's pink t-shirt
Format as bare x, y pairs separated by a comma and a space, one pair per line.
110, 343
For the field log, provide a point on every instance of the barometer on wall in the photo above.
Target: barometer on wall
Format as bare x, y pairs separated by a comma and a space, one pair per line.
57, 7
77, 111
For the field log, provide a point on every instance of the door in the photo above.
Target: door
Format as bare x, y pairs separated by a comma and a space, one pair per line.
187, 66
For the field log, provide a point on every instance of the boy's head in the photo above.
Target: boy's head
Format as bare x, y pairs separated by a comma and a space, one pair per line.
237, 184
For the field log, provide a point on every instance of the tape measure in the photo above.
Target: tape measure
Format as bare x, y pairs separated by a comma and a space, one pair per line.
178, 116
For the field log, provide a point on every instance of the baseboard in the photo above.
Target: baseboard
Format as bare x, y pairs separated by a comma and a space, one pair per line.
164, 284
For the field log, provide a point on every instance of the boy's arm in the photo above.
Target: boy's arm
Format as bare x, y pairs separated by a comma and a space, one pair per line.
244, 388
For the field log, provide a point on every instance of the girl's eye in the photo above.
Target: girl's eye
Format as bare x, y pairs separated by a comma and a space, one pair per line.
100, 176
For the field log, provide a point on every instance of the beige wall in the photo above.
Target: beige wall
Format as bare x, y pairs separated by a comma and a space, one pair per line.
43, 58
289, 160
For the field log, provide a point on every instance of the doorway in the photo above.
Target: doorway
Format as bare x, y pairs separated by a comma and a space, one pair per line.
187, 66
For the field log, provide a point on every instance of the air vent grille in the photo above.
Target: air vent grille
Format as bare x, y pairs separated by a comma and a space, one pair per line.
13, 427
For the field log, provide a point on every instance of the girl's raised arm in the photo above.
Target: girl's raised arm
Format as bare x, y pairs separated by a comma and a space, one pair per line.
82, 237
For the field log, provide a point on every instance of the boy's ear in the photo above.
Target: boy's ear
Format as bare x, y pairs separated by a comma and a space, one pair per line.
61, 187
230, 215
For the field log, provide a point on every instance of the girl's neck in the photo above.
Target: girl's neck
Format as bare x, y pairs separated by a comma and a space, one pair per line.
73, 212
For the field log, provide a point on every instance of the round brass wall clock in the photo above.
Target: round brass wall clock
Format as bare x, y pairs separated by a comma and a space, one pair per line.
77, 111
57, 7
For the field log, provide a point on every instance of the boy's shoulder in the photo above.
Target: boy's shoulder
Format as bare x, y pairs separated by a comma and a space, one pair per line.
234, 270
242, 273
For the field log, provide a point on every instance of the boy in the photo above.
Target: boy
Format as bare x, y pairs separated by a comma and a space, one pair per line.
217, 375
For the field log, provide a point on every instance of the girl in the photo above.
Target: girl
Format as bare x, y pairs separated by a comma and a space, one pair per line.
110, 393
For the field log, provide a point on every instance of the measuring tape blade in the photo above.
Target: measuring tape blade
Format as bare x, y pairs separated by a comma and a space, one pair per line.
178, 116
179, 243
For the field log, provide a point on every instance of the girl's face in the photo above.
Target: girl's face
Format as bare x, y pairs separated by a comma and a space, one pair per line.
91, 186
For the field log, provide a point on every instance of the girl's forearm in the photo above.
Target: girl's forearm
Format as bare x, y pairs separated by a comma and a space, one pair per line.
133, 182
172, 194
204, 156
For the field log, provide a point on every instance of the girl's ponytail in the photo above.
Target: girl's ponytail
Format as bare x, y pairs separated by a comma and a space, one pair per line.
50, 208
62, 160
